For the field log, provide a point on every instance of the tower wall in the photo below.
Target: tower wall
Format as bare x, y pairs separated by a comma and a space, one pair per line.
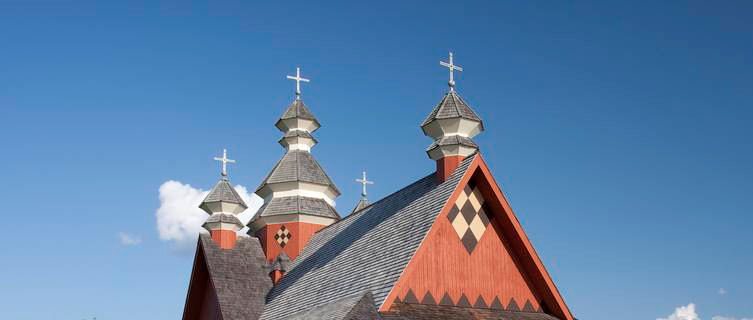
299, 235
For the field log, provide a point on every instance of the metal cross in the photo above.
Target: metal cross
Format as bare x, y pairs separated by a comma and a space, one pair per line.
452, 68
224, 161
364, 182
298, 80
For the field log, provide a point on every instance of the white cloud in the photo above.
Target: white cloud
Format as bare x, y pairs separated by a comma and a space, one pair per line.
688, 313
722, 291
128, 239
179, 218
683, 313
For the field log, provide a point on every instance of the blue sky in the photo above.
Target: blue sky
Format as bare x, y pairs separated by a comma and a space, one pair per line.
620, 131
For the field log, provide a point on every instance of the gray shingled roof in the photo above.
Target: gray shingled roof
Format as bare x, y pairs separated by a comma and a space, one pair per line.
298, 165
298, 109
358, 306
298, 133
297, 204
409, 311
238, 276
362, 203
451, 140
223, 217
222, 191
367, 251
452, 106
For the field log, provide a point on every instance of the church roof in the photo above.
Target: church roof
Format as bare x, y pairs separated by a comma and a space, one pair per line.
367, 251
298, 109
298, 165
224, 218
237, 276
297, 204
451, 106
359, 306
224, 192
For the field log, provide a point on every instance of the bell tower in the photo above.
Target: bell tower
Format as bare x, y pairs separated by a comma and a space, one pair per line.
299, 197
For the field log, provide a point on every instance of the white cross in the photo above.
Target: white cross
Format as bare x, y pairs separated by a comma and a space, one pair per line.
224, 161
364, 182
298, 80
452, 68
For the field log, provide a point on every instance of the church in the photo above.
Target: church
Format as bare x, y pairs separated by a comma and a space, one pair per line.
447, 246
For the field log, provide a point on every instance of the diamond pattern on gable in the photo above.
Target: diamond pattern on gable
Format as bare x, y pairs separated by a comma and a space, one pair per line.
283, 236
468, 216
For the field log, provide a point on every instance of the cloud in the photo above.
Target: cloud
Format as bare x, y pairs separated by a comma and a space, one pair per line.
128, 239
179, 218
683, 313
722, 291
688, 313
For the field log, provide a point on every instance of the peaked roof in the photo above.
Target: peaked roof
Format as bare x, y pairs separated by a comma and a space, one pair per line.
366, 251
450, 140
298, 165
222, 191
236, 276
298, 109
452, 106
362, 203
297, 204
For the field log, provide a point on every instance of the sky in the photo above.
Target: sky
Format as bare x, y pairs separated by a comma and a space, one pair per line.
619, 131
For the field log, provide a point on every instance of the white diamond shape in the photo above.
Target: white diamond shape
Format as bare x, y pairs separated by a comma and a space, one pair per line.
460, 225
461, 199
477, 227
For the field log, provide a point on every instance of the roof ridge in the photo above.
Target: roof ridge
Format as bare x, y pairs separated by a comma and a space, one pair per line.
393, 193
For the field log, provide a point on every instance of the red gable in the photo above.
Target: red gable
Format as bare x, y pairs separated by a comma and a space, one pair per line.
476, 254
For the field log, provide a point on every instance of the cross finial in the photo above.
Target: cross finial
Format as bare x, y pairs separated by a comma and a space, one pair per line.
452, 68
364, 182
224, 161
298, 80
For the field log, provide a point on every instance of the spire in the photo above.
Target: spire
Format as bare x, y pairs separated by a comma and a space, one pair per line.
223, 203
364, 201
452, 124
298, 195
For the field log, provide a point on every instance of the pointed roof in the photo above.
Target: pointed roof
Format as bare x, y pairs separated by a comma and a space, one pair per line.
452, 106
362, 203
298, 165
374, 245
222, 192
235, 277
298, 109
452, 140
295, 205
223, 218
